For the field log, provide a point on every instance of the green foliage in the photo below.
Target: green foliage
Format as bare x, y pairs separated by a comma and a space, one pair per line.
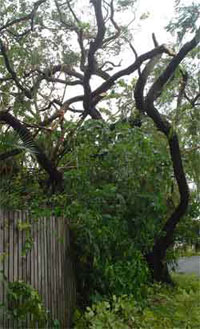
187, 233
28, 244
21, 189
118, 180
111, 204
117, 196
188, 251
70, 58
185, 21
125, 3
24, 300
165, 307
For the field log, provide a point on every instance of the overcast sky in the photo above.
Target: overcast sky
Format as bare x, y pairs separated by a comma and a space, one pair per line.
160, 14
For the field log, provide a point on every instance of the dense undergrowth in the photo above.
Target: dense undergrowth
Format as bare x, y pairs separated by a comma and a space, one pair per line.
167, 307
118, 191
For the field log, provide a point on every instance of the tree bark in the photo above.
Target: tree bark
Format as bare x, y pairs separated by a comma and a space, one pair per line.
55, 177
156, 258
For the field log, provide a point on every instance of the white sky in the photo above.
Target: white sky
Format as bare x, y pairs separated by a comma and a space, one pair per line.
160, 13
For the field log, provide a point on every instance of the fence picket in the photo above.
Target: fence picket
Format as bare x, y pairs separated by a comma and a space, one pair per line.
44, 266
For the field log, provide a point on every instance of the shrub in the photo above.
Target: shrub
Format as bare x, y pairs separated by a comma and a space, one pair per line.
171, 308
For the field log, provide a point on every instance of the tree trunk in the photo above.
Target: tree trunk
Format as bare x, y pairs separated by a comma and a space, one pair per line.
158, 266
156, 257
55, 181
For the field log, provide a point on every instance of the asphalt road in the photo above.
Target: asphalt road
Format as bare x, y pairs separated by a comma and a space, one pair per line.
189, 265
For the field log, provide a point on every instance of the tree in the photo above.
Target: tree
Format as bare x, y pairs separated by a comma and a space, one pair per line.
44, 47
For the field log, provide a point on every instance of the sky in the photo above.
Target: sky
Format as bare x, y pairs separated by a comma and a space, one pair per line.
160, 12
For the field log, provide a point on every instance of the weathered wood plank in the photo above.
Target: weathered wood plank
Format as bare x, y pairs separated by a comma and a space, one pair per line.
54, 268
47, 266
45, 260
49, 262
1, 265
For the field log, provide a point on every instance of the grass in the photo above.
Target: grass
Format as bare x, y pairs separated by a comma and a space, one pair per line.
178, 307
166, 307
187, 252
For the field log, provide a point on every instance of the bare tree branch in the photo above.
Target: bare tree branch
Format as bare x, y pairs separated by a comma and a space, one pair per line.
156, 89
13, 74
24, 18
94, 46
61, 68
127, 71
65, 82
68, 25
117, 28
79, 32
183, 84
48, 73
192, 101
97, 94
141, 82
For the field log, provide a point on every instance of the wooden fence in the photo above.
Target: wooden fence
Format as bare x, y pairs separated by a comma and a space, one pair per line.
37, 251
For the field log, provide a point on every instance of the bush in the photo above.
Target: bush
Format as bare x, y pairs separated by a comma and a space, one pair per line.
171, 308
24, 300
